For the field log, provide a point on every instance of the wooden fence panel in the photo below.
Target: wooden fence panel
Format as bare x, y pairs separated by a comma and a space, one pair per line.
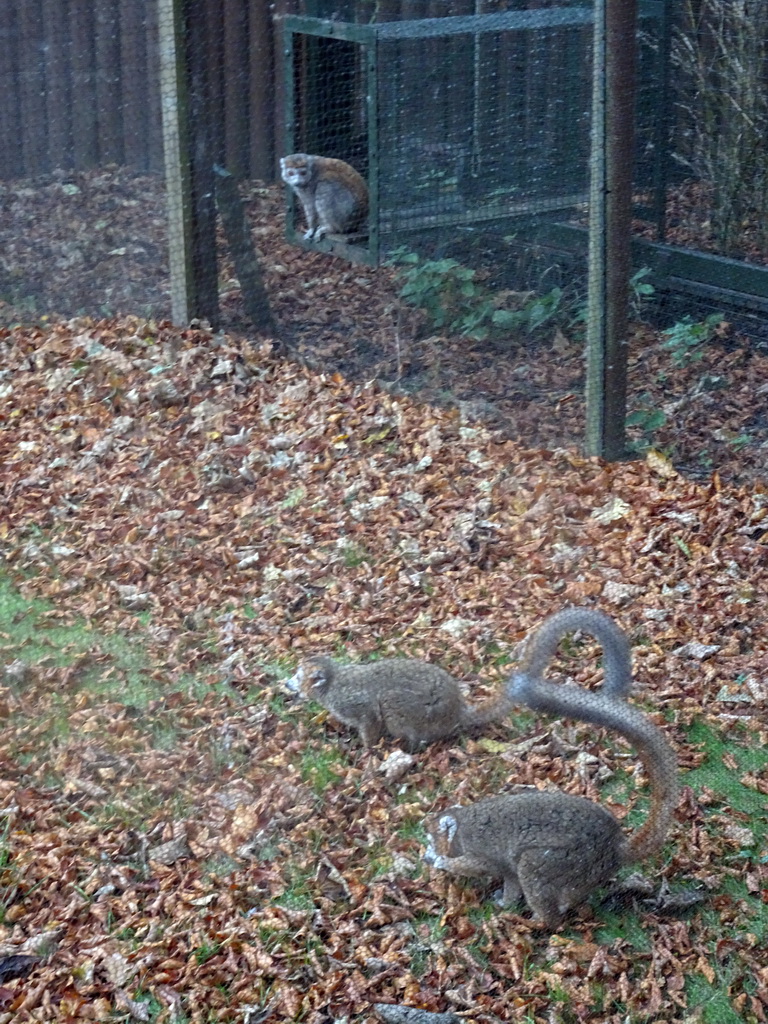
155, 158
58, 84
79, 81
107, 75
32, 88
10, 106
134, 63
214, 35
85, 125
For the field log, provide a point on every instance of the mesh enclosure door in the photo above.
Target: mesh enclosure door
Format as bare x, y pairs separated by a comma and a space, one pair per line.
474, 130
460, 124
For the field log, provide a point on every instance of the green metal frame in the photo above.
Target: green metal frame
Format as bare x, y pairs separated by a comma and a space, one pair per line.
294, 25
716, 277
673, 268
371, 36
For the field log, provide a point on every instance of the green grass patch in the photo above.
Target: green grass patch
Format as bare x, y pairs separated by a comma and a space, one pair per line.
428, 935
112, 666
207, 950
711, 999
298, 893
752, 916
75, 677
35, 632
353, 555
623, 927
9, 876
282, 706
413, 830
727, 762
321, 769
717, 774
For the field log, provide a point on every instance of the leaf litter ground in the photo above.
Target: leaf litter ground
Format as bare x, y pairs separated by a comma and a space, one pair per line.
215, 848
86, 241
181, 842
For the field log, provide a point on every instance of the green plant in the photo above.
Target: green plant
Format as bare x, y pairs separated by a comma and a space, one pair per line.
412, 831
640, 289
624, 927
152, 1006
686, 338
741, 441
456, 300
298, 892
207, 950
444, 289
9, 887
428, 936
278, 703
648, 420
354, 555
295, 497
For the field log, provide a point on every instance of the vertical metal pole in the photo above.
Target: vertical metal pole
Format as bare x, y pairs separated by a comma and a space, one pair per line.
188, 165
610, 225
372, 57
664, 119
174, 99
597, 260
620, 76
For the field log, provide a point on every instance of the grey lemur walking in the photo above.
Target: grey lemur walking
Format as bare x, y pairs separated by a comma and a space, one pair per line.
418, 702
407, 699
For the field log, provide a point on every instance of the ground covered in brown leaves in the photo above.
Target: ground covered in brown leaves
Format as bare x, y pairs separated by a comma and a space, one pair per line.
95, 243
219, 854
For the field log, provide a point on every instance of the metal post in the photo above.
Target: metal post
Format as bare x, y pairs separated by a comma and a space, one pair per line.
188, 164
613, 115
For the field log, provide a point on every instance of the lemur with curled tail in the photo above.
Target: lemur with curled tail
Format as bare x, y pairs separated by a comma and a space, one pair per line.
553, 849
419, 703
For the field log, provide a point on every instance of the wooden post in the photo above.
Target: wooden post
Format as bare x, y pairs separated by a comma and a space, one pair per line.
188, 163
58, 83
85, 132
610, 225
34, 128
134, 96
261, 96
235, 69
109, 100
11, 162
154, 95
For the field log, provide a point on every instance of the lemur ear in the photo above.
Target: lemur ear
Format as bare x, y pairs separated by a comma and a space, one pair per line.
447, 826
295, 682
318, 673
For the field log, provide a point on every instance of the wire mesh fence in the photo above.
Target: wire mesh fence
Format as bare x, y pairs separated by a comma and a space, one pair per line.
460, 123
469, 122
82, 226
